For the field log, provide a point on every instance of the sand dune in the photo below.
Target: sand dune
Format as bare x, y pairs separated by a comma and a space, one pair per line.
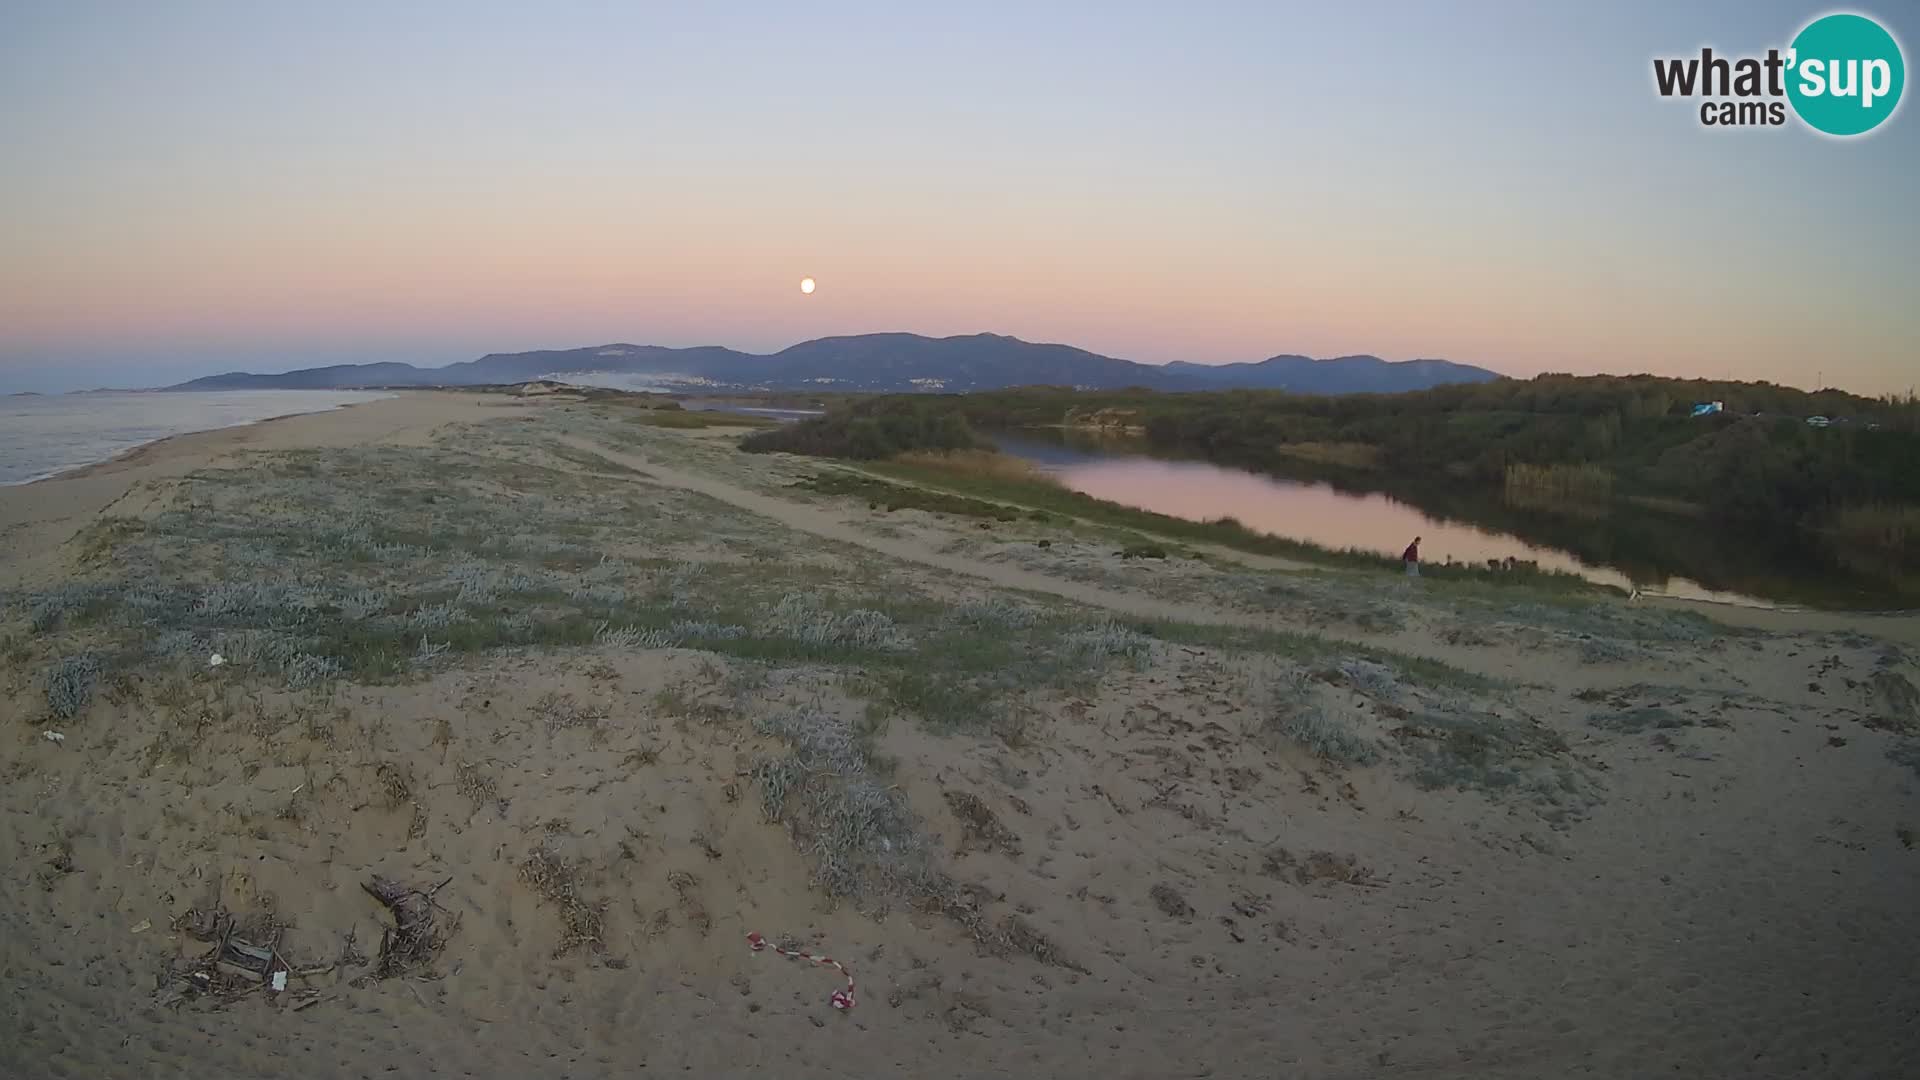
631, 696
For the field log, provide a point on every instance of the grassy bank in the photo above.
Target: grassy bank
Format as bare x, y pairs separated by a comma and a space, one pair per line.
693, 420
307, 568
1758, 463
1888, 531
995, 486
1559, 482
1751, 501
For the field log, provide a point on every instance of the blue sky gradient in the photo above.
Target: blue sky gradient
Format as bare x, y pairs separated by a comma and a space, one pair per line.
197, 187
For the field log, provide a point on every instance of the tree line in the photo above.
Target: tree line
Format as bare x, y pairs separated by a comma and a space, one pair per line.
1758, 462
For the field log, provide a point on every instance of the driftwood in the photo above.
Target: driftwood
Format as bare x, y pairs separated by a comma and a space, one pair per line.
244, 954
231, 969
415, 937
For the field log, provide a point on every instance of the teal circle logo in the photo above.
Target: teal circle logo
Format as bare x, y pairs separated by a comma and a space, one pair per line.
1845, 74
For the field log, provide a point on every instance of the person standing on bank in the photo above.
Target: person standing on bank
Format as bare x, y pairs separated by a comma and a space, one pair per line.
1411, 557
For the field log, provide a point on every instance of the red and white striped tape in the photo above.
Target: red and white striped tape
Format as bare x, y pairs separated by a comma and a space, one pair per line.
842, 999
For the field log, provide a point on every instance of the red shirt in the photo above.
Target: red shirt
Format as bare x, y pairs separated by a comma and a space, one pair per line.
1412, 554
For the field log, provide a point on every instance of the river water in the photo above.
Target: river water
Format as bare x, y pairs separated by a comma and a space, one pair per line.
1320, 513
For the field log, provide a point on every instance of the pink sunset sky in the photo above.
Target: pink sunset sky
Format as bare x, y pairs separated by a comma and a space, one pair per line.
194, 188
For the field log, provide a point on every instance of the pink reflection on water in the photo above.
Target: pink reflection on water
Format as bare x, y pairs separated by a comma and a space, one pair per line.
1321, 515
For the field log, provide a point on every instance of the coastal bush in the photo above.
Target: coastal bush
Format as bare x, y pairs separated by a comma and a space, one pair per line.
597, 596
983, 464
802, 617
680, 583
874, 429
477, 583
1457, 750
1640, 718
693, 630
307, 669
632, 637
1556, 482
1604, 651
364, 603
265, 648
453, 583
880, 493
1882, 529
49, 610
69, 684
1105, 640
435, 617
1592, 440
1369, 677
244, 601
994, 612
1326, 737
155, 604
865, 842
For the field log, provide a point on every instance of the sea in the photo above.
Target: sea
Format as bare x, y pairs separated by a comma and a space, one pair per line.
41, 436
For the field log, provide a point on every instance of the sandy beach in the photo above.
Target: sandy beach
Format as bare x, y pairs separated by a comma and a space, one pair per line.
603, 697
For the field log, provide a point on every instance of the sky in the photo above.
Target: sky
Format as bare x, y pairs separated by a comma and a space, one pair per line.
195, 187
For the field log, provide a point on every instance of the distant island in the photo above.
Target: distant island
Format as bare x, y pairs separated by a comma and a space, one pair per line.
887, 363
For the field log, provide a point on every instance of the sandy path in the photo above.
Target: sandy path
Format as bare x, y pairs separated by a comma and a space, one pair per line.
1211, 551
1734, 900
1504, 664
1900, 626
827, 525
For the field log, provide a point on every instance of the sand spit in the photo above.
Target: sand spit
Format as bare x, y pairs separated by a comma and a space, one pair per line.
530, 712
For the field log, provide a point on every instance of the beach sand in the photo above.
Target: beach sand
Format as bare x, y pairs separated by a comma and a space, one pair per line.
36, 518
618, 696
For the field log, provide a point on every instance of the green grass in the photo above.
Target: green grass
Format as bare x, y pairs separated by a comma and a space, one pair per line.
591, 461
881, 494
1640, 718
1309, 649
374, 566
690, 420
869, 848
997, 493
1504, 759
379, 565
1326, 737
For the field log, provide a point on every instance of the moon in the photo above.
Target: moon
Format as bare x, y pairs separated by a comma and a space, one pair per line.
806, 285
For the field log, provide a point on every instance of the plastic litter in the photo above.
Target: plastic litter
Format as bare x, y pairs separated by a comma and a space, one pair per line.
840, 999
216, 660
280, 980
53, 736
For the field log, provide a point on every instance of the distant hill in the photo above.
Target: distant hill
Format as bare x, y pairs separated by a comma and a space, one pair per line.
1340, 375
338, 377
893, 363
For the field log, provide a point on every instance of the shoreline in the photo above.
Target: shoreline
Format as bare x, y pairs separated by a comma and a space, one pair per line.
65, 498
606, 687
38, 518
129, 452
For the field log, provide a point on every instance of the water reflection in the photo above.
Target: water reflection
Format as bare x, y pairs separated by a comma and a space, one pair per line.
1607, 546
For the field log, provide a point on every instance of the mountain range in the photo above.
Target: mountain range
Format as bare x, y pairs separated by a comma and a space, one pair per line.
877, 363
